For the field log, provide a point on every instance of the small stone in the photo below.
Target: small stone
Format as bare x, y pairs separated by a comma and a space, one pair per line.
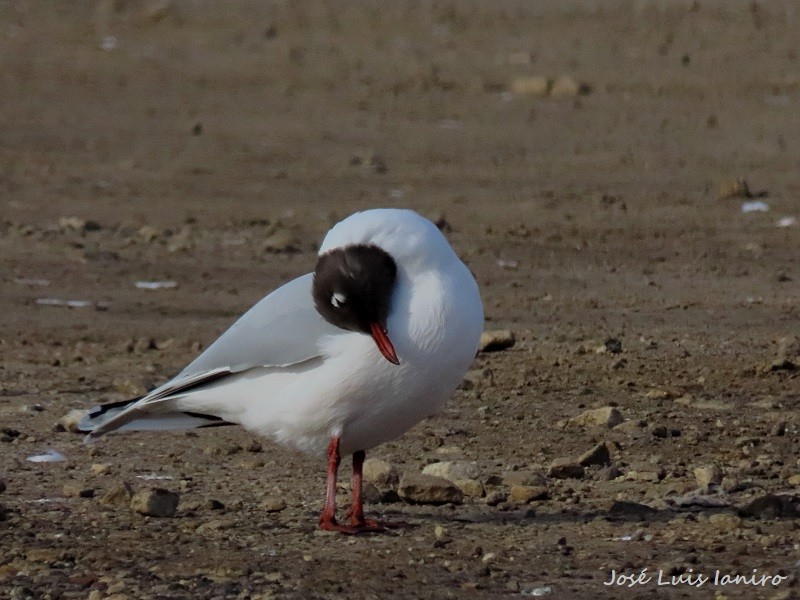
155, 502
453, 471
607, 416
70, 421
74, 489
708, 475
214, 525
530, 86
793, 480
725, 521
488, 558
496, 497
381, 474
427, 489
565, 468
280, 242
148, 233
272, 505
613, 345
97, 469
599, 455
497, 339
789, 347
523, 494
624, 507
779, 429
564, 86
737, 188
767, 506
471, 487
119, 496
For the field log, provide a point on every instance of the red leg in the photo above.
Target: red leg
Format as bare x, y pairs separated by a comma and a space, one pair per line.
356, 512
328, 518
358, 524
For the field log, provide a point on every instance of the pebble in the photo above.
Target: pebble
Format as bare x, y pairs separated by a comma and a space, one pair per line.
709, 475
599, 455
736, 188
280, 242
453, 471
381, 474
99, 469
530, 86
789, 347
427, 489
496, 497
471, 487
74, 489
119, 496
272, 505
625, 507
766, 506
70, 421
523, 494
606, 416
565, 468
564, 86
497, 339
725, 521
155, 502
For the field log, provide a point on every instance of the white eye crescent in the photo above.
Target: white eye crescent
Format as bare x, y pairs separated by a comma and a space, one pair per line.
338, 299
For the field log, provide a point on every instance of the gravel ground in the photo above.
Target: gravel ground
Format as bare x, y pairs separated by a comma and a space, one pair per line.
602, 169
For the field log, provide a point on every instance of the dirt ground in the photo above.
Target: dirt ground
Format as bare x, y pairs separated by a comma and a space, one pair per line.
585, 157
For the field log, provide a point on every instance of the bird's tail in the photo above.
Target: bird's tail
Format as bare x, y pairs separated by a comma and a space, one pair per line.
122, 416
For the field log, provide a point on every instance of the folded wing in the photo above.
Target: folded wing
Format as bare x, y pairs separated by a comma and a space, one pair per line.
282, 330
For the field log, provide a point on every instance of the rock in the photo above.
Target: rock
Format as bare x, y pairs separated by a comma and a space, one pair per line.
148, 233
496, 497
497, 339
599, 455
99, 469
792, 480
530, 86
624, 507
74, 489
607, 416
471, 487
155, 502
381, 474
281, 241
214, 525
453, 471
380, 481
767, 506
779, 429
524, 477
709, 475
789, 347
565, 468
613, 345
427, 489
272, 505
523, 494
725, 521
78, 224
119, 496
737, 188
564, 86
70, 421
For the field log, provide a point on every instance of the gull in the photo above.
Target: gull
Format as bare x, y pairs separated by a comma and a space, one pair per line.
338, 360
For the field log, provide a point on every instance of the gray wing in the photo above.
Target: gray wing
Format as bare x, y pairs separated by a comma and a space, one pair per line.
282, 329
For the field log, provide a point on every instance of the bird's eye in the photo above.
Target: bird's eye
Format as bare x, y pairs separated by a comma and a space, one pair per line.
338, 299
